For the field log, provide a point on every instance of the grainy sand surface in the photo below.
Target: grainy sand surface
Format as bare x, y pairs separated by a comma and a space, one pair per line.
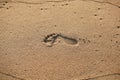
59, 39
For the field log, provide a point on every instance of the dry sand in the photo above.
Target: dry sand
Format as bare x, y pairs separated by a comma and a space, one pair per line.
59, 39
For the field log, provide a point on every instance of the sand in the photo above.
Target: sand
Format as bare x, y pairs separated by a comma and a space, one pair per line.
59, 39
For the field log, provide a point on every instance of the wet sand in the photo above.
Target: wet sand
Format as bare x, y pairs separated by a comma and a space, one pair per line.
59, 39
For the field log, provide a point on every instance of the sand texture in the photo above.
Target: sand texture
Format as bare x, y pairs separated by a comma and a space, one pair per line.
59, 39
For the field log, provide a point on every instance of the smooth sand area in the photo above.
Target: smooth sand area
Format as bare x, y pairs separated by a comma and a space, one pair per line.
59, 39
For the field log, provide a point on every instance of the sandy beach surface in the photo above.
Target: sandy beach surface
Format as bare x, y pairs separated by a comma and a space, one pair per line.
59, 39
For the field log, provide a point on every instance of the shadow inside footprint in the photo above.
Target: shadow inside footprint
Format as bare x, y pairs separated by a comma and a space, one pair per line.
69, 40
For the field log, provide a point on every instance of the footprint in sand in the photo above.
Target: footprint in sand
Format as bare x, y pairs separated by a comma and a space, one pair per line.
51, 39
